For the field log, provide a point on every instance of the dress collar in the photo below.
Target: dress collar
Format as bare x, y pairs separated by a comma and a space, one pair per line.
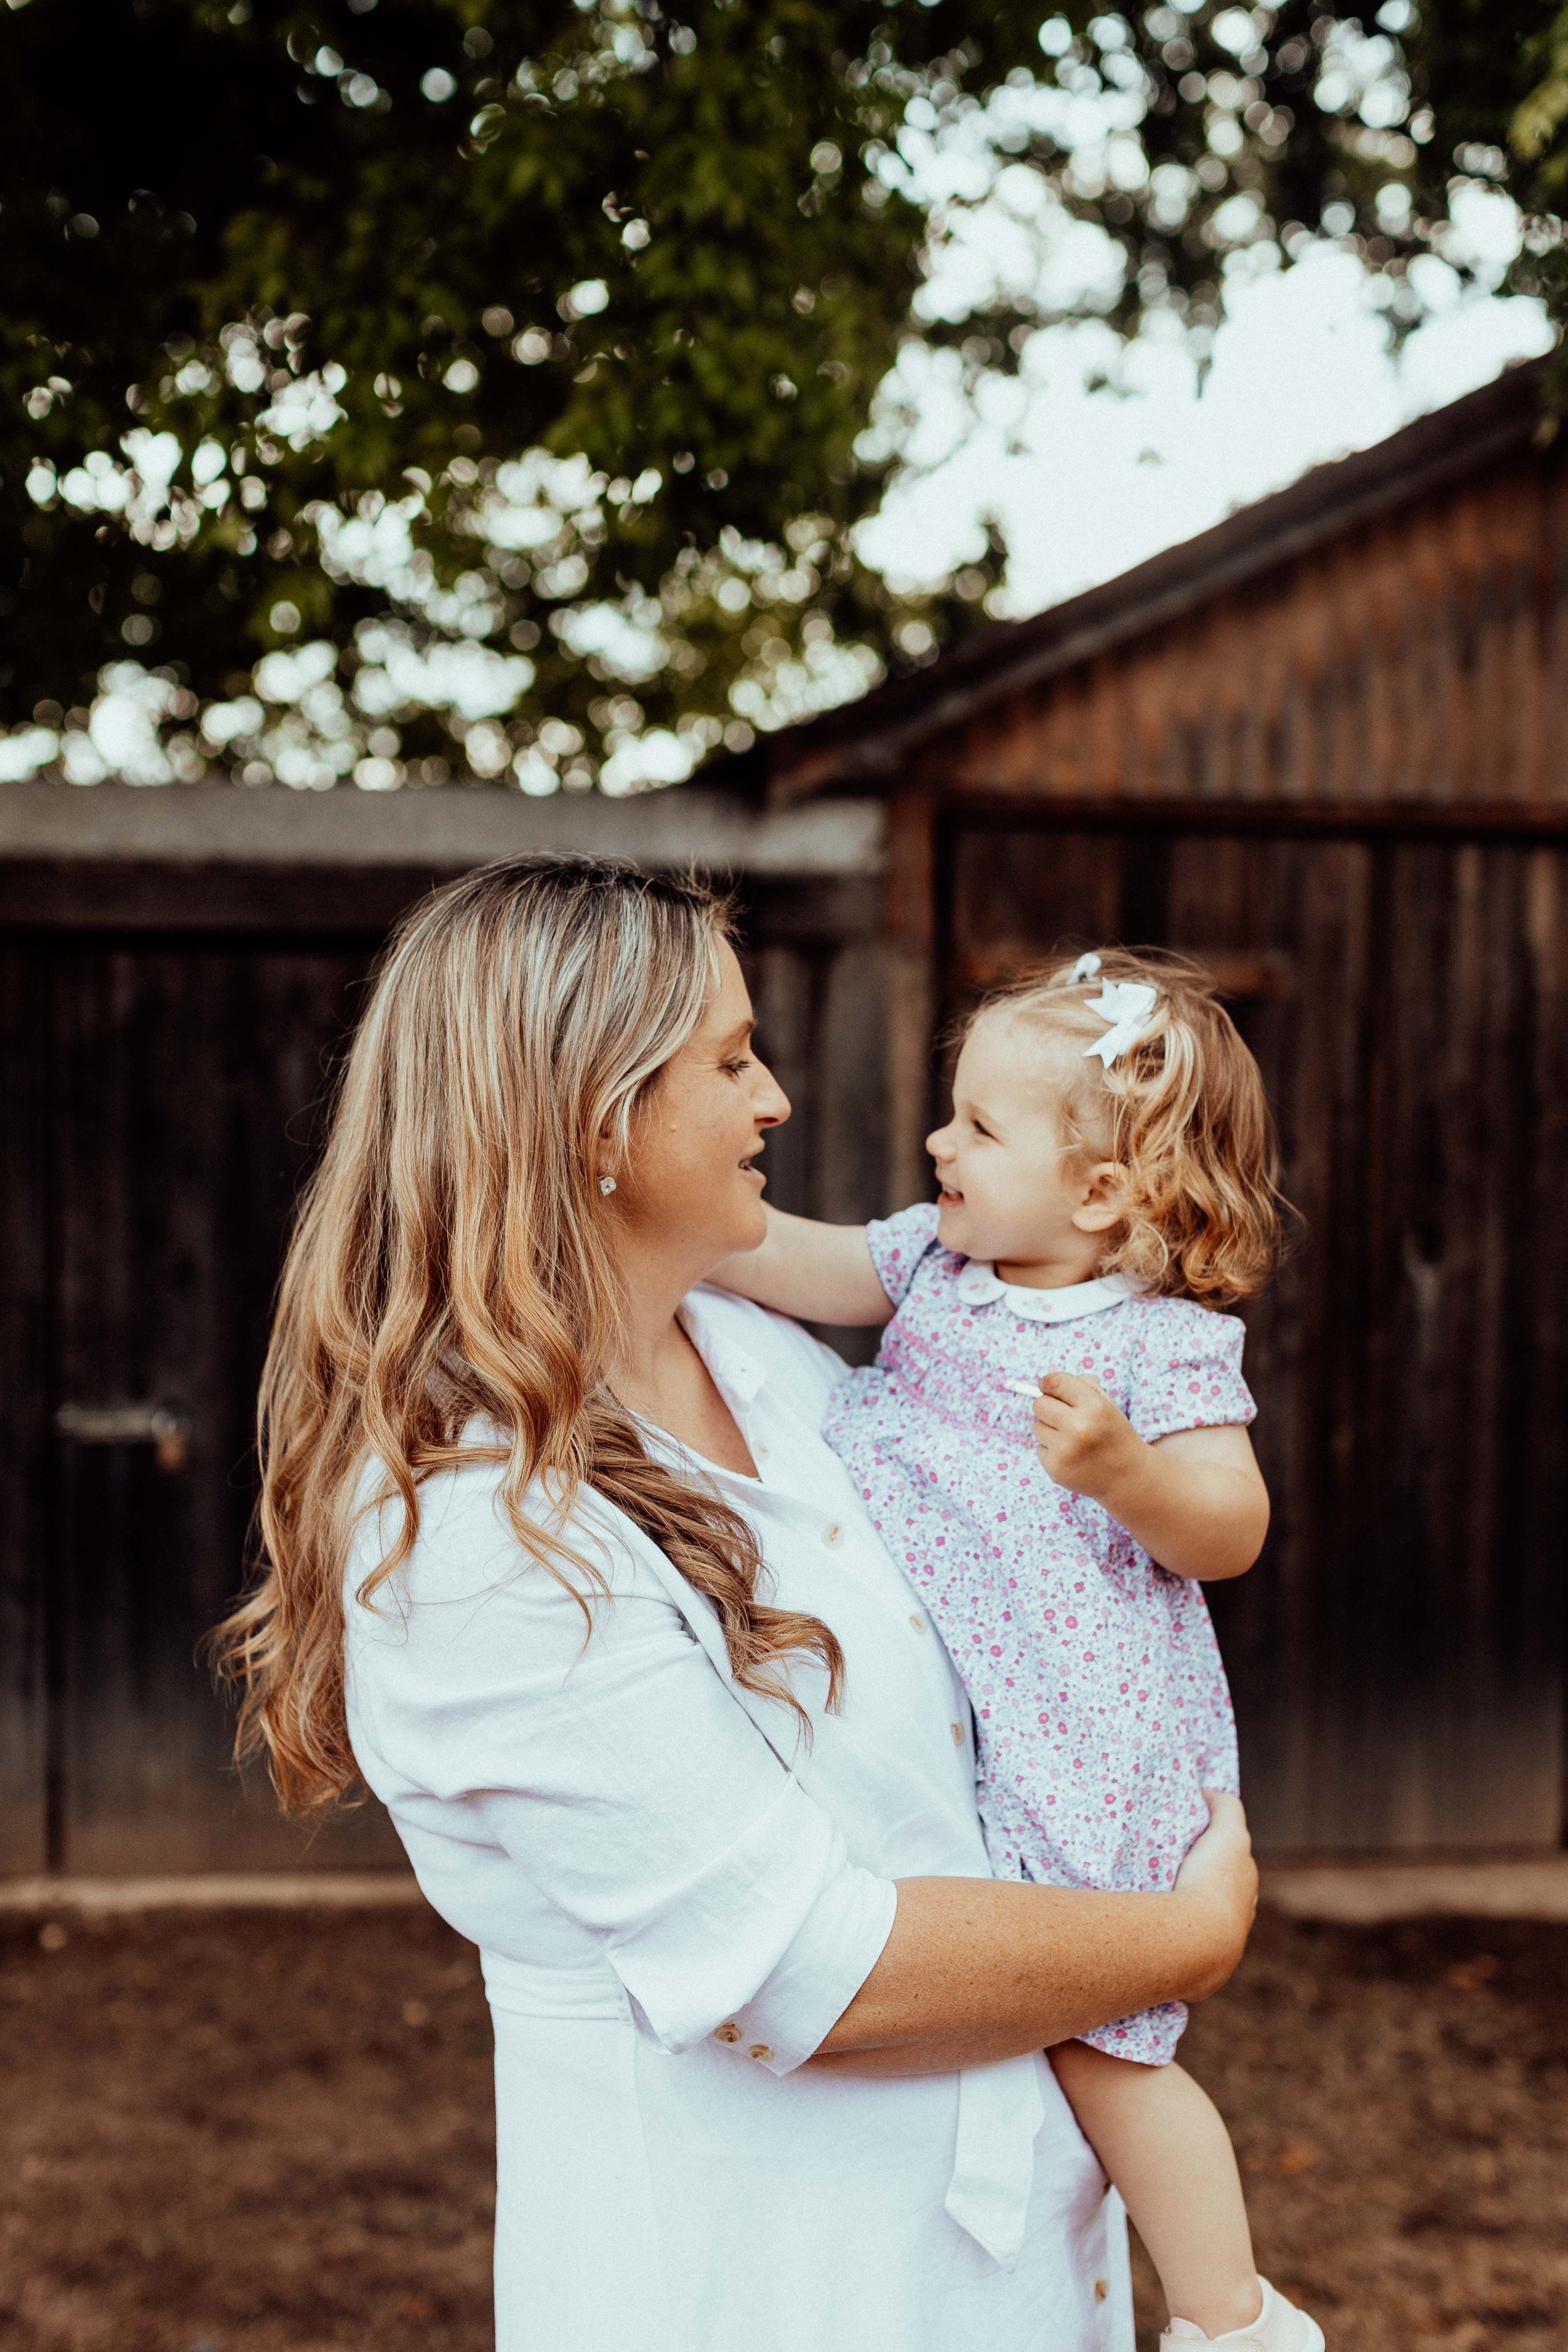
979, 1285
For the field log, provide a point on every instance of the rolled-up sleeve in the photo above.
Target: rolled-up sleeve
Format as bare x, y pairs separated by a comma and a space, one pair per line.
618, 1770
827, 1959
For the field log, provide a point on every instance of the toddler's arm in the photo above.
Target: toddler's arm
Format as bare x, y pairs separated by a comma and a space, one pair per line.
1194, 1500
823, 1272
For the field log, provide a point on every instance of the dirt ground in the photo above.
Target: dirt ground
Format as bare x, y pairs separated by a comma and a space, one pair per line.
257, 2133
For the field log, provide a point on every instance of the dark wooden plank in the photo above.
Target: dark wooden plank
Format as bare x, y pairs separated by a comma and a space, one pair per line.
854, 1114
1396, 1658
912, 982
1397, 1655
78, 894
1276, 1625
23, 1377
186, 1087
783, 979
822, 1012
1540, 1302
1383, 1691
222, 897
1020, 894
1064, 813
785, 910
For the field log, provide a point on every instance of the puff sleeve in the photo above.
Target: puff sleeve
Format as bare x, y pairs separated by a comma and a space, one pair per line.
898, 1244
1187, 1369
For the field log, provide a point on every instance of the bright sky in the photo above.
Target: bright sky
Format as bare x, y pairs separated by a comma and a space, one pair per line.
1086, 483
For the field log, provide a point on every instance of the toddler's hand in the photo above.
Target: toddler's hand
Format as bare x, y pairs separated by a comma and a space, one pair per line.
1082, 1439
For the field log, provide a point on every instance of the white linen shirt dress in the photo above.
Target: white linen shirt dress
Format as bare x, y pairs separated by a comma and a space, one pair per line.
675, 1898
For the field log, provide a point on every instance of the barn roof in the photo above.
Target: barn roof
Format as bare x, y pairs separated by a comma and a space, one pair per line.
865, 745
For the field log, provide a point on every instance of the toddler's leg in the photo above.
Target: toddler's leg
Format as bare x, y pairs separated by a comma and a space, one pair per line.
1161, 2139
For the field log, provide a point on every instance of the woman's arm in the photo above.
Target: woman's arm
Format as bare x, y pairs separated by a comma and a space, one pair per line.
821, 1273
976, 1969
619, 1774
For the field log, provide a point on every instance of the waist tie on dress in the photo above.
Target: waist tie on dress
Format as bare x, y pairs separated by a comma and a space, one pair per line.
1000, 2111
523, 1989
1000, 2108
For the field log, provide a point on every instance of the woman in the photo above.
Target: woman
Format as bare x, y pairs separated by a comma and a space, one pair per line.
557, 1560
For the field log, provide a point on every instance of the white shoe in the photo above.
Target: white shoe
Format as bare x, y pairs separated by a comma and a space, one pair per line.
1278, 2327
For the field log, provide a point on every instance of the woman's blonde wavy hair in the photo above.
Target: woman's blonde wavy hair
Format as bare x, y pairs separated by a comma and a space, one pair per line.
451, 1261
1182, 1113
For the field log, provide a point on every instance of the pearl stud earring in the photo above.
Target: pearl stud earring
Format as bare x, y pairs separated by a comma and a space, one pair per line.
606, 1183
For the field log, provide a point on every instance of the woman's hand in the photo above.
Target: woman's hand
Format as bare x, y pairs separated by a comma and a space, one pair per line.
977, 1970
1219, 1881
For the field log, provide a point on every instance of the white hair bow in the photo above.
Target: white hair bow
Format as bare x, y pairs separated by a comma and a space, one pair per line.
1126, 1004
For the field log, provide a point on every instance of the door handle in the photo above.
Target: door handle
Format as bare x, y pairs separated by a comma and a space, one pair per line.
164, 1427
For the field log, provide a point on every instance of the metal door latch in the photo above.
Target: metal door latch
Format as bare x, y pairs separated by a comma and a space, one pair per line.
164, 1427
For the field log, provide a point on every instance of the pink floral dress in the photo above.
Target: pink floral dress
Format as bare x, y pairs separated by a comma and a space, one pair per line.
1100, 1706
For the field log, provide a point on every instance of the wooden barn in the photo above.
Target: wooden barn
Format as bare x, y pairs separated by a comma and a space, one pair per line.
1324, 747
177, 969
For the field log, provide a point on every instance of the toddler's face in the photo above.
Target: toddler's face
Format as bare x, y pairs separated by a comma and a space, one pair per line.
1009, 1190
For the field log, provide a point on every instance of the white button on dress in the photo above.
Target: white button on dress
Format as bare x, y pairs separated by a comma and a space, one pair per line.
675, 1898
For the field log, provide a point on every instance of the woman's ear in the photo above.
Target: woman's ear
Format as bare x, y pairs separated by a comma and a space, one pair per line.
1099, 1202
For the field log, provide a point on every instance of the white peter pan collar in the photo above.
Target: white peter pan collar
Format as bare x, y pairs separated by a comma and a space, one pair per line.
978, 1285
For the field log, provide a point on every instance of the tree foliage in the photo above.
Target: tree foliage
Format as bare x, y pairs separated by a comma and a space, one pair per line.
429, 383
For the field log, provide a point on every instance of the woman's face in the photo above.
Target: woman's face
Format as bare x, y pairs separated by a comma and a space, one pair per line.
694, 1188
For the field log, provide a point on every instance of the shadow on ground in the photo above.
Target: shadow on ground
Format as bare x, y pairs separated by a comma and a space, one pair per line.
257, 2133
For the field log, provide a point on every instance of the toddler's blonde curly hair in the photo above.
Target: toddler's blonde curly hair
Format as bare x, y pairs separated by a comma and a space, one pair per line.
1183, 1114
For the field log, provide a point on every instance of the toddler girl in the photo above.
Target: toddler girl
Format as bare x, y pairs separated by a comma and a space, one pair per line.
1052, 1442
